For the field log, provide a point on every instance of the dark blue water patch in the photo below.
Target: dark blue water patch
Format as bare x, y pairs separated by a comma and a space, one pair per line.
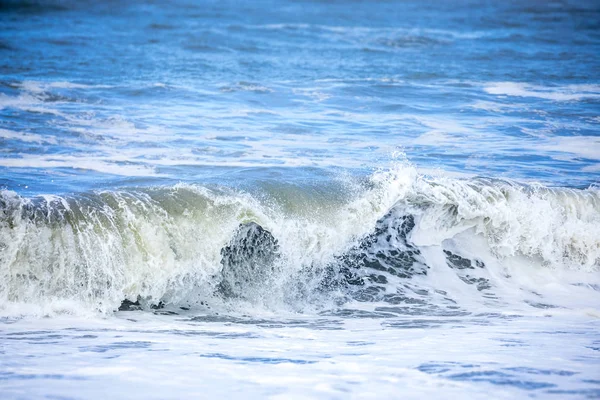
588, 393
87, 330
260, 360
434, 368
520, 377
116, 346
511, 342
536, 371
35, 337
9, 376
442, 367
32, 7
85, 337
423, 324
501, 379
318, 324
359, 343
353, 313
560, 332
219, 335
542, 306
500, 316
28, 333
38, 338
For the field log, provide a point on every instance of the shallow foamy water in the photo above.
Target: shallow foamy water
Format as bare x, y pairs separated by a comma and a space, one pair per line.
140, 355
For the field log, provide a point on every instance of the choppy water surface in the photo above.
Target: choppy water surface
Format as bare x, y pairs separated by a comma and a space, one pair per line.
299, 199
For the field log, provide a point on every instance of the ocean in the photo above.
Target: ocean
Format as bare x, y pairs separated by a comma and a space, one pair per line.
299, 199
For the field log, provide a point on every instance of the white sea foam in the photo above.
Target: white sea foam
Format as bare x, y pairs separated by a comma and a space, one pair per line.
26, 137
583, 146
27, 102
286, 358
166, 243
556, 93
41, 87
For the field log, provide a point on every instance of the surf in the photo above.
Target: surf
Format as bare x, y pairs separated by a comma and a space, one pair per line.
395, 237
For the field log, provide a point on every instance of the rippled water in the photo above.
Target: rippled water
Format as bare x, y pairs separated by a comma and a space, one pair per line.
299, 199
147, 356
195, 90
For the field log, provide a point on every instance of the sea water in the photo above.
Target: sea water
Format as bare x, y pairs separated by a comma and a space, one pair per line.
299, 199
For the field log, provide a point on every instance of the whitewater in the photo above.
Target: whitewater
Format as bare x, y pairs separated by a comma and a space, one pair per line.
299, 199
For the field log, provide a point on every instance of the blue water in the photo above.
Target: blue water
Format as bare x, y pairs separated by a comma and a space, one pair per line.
192, 91
299, 199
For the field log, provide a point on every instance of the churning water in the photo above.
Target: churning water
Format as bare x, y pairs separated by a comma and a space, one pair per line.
299, 199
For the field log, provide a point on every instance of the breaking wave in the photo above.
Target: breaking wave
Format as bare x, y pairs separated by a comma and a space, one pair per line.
396, 241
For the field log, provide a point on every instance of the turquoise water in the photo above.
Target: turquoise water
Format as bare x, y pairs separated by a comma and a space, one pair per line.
299, 199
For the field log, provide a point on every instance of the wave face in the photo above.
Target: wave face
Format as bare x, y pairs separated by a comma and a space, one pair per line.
396, 239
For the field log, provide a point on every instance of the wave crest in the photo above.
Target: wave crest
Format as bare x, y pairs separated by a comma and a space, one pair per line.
394, 233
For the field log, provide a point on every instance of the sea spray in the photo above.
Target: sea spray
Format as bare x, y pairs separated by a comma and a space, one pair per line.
165, 244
